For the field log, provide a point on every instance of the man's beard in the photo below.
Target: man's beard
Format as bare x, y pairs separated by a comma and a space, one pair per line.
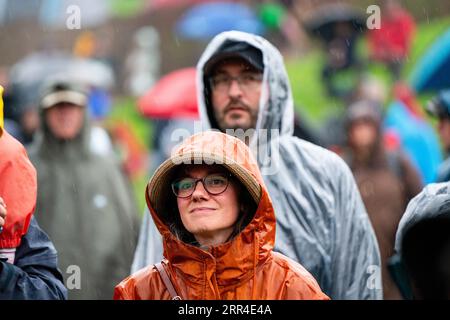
223, 125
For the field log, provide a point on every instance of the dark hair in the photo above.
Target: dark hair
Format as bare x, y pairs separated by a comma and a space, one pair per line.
172, 218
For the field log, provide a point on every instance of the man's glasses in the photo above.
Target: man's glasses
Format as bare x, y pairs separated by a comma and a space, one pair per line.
247, 81
214, 184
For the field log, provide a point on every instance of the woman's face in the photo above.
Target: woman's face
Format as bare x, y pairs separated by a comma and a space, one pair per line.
210, 218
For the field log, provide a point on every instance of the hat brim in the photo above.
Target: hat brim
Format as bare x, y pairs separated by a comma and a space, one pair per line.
216, 59
67, 96
159, 186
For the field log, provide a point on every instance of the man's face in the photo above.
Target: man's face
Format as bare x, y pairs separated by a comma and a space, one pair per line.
444, 132
236, 91
65, 120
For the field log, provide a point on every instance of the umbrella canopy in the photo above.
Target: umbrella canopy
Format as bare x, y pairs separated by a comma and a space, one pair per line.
204, 21
35, 68
173, 96
169, 4
417, 137
29, 74
322, 22
432, 72
92, 72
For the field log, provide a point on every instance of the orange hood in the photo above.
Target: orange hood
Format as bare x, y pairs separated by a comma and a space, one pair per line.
18, 188
236, 260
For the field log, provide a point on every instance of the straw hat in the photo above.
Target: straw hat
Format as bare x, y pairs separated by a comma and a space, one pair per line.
159, 190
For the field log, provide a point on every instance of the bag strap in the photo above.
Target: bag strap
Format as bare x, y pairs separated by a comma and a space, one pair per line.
167, 282
395, 164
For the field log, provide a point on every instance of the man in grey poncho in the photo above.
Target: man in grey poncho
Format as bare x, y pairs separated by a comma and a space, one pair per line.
84, 202
243, 89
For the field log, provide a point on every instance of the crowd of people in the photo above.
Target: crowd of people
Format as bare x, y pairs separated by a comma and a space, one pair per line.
244, 209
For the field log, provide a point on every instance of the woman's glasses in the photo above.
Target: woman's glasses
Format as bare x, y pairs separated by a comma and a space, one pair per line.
214, 184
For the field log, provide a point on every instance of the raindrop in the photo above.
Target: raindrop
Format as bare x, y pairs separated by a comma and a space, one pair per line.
100, 201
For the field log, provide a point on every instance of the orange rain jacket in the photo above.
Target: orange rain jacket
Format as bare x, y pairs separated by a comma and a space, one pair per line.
243, 268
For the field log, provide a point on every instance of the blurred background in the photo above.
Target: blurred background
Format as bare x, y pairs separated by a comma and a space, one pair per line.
124, 49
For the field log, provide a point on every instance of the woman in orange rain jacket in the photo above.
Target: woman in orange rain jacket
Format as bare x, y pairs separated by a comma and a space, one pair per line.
217, 222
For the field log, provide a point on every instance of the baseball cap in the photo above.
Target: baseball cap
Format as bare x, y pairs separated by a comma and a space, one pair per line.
234, 49
63, 90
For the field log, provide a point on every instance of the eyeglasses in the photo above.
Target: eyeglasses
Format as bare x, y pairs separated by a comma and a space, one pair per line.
247, 81
214, 184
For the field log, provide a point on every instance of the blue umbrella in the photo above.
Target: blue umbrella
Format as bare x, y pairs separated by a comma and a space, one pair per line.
433, 70
418, 139
204, 21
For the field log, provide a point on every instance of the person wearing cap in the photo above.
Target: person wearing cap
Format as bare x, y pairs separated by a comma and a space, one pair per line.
243, 90
84, 200
421, 266
386, 179
439, 107
28, 259
214, 213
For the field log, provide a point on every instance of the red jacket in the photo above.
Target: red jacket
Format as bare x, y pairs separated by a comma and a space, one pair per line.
18, 187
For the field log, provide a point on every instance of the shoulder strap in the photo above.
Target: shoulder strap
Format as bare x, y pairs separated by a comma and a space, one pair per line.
167, 282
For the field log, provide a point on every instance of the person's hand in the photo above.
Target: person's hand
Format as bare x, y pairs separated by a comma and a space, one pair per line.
2, 213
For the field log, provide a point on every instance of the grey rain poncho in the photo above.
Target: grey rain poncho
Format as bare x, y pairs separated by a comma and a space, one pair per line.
85, 205
321, 220
425, 205
421, 263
